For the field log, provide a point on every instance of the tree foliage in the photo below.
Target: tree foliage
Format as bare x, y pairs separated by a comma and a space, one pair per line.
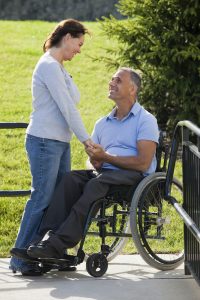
162, 39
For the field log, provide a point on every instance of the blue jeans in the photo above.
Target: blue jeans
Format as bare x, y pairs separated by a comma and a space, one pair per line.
49, 160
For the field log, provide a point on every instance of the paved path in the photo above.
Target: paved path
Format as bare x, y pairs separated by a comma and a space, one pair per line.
127, 278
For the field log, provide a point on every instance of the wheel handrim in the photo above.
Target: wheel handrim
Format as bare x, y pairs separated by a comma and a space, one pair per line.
157, 213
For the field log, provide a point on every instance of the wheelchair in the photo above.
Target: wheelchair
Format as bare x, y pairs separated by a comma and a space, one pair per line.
141, 213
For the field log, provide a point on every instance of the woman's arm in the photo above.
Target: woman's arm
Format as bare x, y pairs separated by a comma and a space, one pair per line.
55, 82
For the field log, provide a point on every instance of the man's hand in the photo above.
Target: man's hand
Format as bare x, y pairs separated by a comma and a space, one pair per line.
96, 164
92, 150
96, 153
141, 162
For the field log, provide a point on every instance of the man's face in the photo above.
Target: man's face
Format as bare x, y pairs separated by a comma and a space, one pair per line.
121, 86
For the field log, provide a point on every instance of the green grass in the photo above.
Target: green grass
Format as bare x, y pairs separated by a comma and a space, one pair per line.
21, 47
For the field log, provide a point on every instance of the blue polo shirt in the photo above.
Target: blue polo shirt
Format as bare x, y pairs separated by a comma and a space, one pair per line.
120, 137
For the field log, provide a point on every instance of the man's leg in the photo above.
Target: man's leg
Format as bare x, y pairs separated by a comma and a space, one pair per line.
71, 230
65, 196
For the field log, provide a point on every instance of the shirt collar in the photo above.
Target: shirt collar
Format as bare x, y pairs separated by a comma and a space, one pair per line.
134, 110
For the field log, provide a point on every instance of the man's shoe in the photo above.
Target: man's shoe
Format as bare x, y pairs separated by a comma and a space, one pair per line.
32, 270
43, 249
20, 253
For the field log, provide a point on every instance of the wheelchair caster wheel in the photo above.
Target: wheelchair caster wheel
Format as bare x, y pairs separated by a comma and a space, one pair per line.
97, 265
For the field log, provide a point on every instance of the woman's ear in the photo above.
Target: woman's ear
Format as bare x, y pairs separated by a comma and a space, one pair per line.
67, 36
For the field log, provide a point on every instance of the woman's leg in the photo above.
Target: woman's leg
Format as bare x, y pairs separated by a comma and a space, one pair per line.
45, 158
65, 164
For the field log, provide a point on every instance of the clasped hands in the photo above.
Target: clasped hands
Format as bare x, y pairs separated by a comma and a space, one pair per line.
96, 154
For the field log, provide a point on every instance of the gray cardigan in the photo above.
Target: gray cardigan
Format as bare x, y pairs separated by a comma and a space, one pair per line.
55, 96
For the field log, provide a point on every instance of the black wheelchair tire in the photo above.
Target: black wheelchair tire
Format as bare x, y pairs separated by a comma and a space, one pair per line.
142, 244
96, 265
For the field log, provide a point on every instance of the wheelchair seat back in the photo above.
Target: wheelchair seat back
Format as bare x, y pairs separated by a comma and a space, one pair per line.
162, 153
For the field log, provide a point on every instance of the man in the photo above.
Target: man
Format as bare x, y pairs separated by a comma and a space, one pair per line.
123, 153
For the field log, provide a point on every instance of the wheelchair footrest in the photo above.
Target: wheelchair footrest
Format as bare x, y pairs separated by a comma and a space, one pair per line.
67, 261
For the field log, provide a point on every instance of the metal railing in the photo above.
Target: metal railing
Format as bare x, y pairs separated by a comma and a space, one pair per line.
188, 135
4, 193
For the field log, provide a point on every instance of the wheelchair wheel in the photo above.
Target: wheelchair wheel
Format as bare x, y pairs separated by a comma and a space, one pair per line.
96, 265
155, 222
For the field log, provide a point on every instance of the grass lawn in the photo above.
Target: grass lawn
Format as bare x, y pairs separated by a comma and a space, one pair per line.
21, 48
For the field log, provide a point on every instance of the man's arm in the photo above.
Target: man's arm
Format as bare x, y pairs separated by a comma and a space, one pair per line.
141, 162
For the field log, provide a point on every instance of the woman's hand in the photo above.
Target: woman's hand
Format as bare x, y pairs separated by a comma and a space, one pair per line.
89, 144
91, 149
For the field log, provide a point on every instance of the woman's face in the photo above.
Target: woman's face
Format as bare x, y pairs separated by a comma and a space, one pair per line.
71, 46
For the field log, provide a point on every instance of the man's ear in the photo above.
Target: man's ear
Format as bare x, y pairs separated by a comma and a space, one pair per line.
133, 90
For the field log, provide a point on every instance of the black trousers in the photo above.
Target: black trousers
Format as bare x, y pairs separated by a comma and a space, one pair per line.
71, 201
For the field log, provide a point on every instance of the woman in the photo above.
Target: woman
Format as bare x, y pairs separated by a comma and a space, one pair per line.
52, 122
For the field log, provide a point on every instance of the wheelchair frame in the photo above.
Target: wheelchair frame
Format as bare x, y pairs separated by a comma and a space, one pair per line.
144, 205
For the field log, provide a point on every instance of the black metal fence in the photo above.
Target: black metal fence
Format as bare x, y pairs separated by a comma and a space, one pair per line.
4, 193
188, 135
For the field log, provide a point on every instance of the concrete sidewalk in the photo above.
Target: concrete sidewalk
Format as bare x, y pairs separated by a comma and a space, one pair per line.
127, 278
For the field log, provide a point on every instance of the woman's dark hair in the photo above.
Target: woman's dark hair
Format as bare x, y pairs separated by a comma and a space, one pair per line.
74, 27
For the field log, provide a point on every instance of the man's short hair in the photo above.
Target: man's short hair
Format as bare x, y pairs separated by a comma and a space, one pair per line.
135, 77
